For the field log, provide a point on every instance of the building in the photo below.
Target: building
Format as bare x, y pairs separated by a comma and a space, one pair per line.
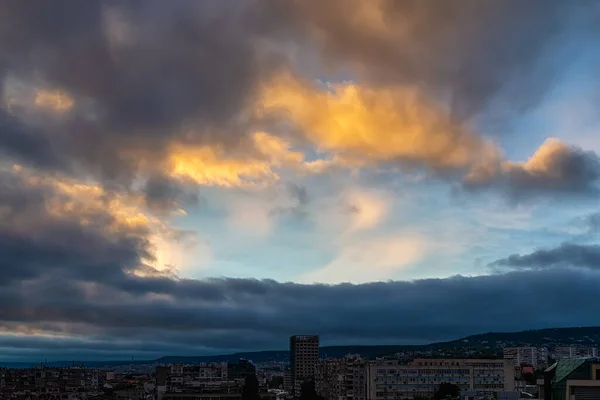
240, 370
287, 380
342, 379
304, 356
526, 356
207, 391
565, 352
422, 377
571, 379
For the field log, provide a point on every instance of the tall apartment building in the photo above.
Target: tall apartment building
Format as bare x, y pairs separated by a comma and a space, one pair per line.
342, 379
304, 356
422, 377
526, 356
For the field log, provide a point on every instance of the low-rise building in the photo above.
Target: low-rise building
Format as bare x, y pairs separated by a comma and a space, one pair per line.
571, 379
422, 377
526, 356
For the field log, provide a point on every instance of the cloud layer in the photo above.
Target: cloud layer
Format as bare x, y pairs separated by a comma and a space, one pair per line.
122, 123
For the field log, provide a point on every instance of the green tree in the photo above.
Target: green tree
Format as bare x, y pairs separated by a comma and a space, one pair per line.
250, 390
308, 391
446, 390
529, 378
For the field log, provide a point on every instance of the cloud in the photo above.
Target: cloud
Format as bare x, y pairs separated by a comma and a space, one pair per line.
362, 125
370, 259
67, 221
95, 251
475, 55
96, 93
235, 314
556, 168
594, 222
565, 255
144, 90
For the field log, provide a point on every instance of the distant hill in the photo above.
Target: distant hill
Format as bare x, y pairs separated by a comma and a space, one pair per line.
481, 345
486, 344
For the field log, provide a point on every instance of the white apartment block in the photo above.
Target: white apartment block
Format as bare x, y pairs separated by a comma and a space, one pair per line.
536, 357
562, 352
422, 377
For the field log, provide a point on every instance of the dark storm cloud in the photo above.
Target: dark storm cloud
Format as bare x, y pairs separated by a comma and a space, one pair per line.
470, 52
260, 314
24, 143
36, 242
151, 74
565, 255
556, 169
569, 170
63, 276
162, 193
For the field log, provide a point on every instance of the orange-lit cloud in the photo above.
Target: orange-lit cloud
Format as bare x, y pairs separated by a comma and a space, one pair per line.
90, 204
54, 100
213, 166
363, 125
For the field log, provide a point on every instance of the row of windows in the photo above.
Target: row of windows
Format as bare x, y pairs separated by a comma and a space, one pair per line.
424, 379
459, 372
489, 386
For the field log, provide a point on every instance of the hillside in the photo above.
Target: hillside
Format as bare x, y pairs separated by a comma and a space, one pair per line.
480, 345
486, 344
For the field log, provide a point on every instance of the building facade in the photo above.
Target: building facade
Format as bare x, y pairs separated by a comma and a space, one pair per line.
342, 379
566, 352
240, 370
422, 377
304, 356
571, 379
536, 357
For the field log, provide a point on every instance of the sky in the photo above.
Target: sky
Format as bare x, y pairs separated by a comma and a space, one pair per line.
204, 177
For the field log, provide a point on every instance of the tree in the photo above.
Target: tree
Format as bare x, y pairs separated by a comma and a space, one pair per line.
250, 390
308, 391
529, 378
446, 390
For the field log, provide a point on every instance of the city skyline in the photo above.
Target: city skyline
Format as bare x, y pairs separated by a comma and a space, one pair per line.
187, 176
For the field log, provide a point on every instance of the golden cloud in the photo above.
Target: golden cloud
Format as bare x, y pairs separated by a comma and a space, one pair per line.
55, 100
362, 125
89, 203
212, 166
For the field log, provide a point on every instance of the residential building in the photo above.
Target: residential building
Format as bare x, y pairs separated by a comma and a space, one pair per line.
564, 352
304, 356
240, 370
342, 379
421, 377
526, 356
571, 379
287, 380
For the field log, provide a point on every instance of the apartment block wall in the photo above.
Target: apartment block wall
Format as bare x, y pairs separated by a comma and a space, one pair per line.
422, 377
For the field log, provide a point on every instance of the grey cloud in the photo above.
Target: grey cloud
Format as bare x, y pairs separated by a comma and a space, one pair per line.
565, 255
556, 169
570, 171
298, 196
593, 222
260, 314
475, 54
100, 300
152, 74
162, 193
